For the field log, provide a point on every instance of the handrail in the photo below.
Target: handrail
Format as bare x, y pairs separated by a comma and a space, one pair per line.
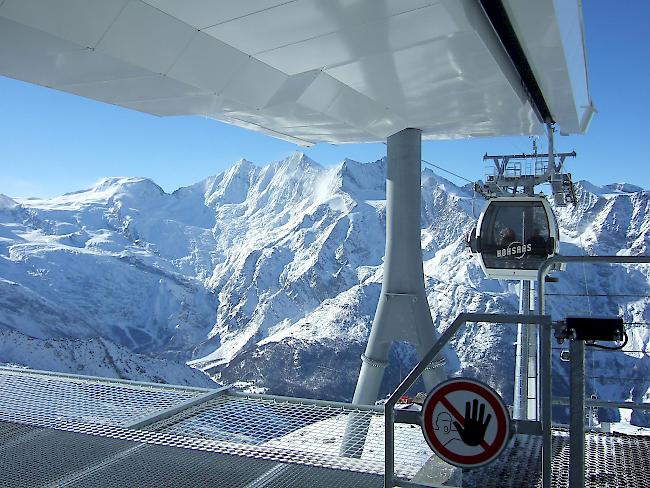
102, 380
546, 398
605, 403
308, 401
411, 378
446, 336
558, 259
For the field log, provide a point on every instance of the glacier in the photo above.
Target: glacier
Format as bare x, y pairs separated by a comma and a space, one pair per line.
269, 276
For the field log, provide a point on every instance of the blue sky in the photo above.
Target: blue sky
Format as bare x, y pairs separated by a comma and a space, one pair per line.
52, 142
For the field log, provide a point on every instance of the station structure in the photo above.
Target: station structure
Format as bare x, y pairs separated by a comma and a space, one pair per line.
308, 72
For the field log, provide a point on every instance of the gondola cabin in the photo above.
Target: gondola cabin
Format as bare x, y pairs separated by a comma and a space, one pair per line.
514, 236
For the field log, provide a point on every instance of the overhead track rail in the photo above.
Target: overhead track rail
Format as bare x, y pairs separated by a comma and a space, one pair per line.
498, 16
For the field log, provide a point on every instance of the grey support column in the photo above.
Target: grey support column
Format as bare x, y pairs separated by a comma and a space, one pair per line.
403, 311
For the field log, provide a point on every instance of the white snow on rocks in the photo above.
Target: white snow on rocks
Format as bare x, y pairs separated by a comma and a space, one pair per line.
271, 274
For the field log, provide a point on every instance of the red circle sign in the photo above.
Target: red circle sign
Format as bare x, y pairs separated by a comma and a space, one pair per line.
465, 422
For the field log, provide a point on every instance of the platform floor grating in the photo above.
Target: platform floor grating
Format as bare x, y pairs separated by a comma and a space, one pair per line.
70, 431
39, 457
273, 428
612, 461
43, 397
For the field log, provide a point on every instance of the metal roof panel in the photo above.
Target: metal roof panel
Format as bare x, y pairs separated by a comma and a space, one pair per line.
359, 68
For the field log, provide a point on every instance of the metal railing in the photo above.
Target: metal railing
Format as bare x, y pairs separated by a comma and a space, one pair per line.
391, 416
576, 401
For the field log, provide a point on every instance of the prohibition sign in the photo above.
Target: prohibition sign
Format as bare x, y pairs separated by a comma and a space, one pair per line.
471, 440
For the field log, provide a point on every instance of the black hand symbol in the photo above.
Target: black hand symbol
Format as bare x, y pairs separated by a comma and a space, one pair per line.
474, 431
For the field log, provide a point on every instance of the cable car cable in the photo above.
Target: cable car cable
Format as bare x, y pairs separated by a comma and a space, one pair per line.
447, 171
457, 176
584, 274
618, 378
631, 295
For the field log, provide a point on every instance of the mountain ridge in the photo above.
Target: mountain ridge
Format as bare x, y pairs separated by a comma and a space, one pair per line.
271, 274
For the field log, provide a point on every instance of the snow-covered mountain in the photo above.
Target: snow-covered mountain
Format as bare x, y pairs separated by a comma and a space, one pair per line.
270, 275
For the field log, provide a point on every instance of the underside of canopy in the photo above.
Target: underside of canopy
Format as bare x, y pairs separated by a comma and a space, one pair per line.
313, 71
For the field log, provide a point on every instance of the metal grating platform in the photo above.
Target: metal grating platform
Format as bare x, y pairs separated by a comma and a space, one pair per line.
274, 428
279, 426
613, 460
43, 397
72, 431
39, 457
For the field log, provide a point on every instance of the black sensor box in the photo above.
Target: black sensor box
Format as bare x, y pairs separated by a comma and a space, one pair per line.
595, 328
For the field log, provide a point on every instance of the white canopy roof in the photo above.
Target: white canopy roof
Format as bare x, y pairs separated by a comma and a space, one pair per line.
310, 70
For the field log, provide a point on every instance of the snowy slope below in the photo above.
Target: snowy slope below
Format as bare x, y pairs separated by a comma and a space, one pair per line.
94, 357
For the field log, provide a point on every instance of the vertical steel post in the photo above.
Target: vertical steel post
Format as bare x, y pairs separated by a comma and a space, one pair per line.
546, 405
526, 398
389, 443
520, 401
533, 403
551, 145
545, 381
577, 415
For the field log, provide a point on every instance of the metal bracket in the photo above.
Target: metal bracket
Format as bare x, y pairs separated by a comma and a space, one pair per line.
529, 427
413, 417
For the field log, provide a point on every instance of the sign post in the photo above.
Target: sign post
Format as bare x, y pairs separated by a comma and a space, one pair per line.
465, 422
